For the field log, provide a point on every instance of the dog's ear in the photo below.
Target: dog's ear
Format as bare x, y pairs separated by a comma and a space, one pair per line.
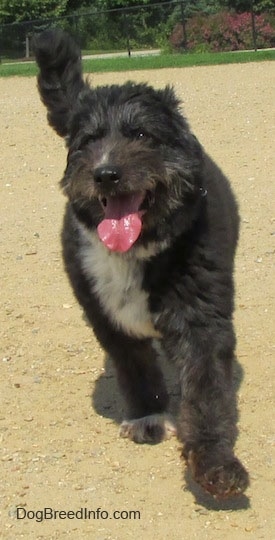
60, 77
169, 97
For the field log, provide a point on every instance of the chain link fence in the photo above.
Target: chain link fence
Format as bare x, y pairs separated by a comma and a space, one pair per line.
168, 26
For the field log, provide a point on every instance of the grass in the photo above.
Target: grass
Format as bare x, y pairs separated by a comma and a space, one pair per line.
148, 62
175, 60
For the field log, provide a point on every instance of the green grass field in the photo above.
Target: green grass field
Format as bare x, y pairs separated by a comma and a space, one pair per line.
148, 62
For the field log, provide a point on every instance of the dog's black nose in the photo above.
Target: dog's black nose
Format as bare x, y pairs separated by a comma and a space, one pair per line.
107, 175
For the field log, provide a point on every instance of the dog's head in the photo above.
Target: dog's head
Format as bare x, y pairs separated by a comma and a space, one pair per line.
134, 168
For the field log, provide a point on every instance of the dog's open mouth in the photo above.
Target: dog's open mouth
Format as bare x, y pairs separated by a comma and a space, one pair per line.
122, 223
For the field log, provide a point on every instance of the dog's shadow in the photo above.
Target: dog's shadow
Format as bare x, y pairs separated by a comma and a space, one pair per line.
106, 398
108, 402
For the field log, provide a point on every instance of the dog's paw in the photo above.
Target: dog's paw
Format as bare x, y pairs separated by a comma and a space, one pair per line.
149, 429
223, 480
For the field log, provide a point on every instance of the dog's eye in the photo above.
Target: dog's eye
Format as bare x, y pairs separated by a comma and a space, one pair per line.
84, 141
135, 133
89, 138
141, 135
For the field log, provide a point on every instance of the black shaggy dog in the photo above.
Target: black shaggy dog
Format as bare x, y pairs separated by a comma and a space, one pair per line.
149, 238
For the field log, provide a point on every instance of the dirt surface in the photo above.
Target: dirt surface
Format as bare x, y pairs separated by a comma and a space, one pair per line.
60, 408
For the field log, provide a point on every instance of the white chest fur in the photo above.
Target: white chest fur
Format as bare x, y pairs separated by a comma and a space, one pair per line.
117, 281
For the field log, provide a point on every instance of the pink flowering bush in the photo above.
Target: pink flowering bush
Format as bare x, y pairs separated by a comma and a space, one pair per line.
224, 31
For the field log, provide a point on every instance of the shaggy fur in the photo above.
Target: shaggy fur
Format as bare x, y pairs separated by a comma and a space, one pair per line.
130, 151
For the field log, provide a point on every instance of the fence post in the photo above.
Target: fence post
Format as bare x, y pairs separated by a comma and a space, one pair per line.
27, 50
126, 28
183, 22
253, 23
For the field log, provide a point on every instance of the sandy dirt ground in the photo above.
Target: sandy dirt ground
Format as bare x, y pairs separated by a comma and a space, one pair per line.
60, 407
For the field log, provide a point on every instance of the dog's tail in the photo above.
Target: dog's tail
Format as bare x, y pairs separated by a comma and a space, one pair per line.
60, 78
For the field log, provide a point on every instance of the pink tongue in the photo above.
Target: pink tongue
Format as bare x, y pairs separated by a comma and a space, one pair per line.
122, 224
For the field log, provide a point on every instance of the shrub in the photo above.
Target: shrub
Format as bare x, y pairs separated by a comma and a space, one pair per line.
224, 31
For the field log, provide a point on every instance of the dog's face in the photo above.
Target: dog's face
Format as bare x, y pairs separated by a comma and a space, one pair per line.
133, 165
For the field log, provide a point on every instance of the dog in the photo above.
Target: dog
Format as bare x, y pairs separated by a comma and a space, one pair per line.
149, 238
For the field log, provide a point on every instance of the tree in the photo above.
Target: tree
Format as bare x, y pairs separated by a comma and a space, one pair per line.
27, 10
257, 6
252, 6
185, 10
113, 4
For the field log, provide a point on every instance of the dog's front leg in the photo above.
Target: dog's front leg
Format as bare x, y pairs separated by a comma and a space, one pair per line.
208, 413
143, 386
141, 381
